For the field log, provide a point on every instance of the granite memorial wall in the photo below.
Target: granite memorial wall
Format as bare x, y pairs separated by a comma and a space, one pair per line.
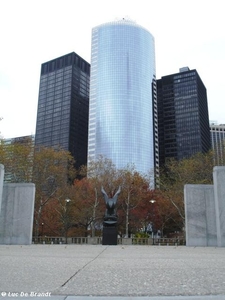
205, 211
16, 213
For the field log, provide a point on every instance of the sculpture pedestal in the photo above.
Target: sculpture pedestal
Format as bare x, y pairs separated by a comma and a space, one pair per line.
109, 236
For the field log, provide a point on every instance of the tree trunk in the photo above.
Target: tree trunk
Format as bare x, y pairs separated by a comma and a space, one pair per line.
127, 215
37, 221
94, 214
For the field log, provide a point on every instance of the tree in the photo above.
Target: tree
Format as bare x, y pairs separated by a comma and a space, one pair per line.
0, 131
52, 172
103, 172
142, 214
194, 170
17, 158
87, 216
100, 172
66, 209
133, 190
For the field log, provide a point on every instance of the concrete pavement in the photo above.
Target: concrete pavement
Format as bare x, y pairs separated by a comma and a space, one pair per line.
81, 272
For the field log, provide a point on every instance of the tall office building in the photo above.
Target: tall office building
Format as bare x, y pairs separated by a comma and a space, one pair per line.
218, 142
183, 120
123, 95
63, 104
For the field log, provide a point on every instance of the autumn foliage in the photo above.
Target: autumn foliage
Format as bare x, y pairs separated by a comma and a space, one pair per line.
69, 202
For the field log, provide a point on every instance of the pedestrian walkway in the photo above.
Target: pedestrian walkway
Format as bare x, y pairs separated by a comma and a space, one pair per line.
81, 272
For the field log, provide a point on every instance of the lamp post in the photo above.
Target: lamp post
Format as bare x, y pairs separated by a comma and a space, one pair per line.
66, 216
152, 201
42, 227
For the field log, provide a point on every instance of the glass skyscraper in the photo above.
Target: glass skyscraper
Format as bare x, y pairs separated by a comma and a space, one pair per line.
123, 95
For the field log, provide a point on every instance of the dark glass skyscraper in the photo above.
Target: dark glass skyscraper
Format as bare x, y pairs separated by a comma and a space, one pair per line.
63, 104
183, 120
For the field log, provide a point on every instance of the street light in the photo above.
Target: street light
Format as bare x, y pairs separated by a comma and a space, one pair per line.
66, 216
42, 227
153, 218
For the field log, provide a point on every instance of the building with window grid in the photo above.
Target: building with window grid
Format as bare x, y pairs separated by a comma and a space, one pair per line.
183, 120
123, 108
218, 142
63, 104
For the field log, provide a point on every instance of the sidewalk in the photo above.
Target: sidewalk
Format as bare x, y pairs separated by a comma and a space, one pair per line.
76, 272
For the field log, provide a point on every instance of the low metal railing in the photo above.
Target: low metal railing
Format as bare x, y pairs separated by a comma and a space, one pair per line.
169, 241
48, 240
120, 241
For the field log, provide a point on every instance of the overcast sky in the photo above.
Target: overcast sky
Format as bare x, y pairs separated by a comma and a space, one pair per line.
187, 33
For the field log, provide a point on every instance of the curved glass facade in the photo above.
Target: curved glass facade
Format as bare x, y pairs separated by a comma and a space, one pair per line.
121, 96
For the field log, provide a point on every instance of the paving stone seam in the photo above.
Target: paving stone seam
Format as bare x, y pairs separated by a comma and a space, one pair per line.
88, 263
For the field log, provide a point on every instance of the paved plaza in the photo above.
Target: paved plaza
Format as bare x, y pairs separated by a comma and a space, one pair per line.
81, 272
